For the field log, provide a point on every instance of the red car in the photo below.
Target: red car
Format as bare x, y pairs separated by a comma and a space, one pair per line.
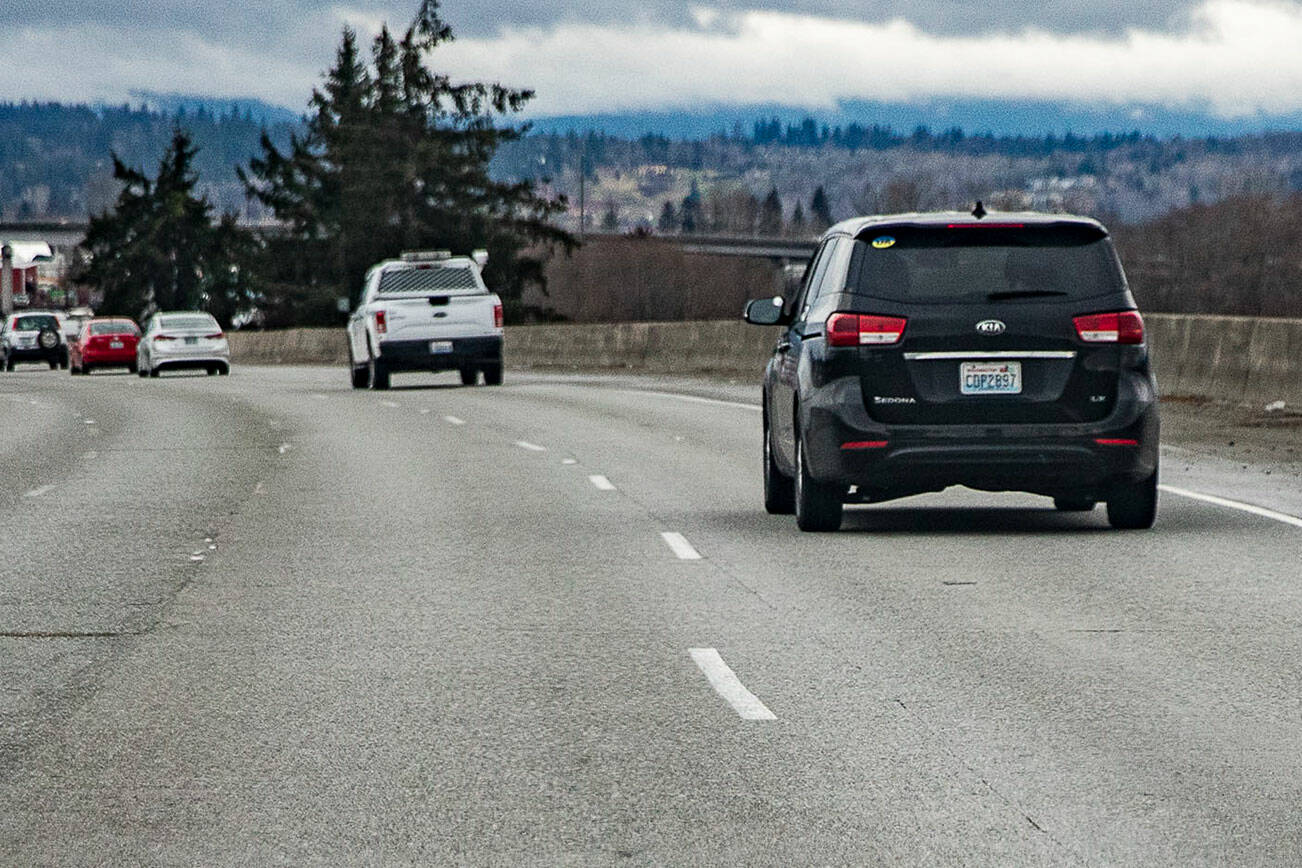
104, 342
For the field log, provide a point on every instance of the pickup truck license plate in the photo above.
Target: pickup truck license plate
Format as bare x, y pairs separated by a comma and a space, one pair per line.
990, 378
440, 346
115, 345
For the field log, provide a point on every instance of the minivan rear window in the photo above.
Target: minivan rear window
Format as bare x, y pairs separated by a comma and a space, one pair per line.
933, 264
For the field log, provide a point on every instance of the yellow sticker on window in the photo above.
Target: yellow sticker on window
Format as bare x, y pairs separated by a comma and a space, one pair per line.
883, 242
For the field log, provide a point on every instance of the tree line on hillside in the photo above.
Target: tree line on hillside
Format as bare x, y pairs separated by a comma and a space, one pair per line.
56, 161
392, 157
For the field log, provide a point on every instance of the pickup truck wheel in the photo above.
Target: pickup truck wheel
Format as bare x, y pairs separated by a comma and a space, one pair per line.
378, 374
493, 375
358, 375
469, 376
131, 368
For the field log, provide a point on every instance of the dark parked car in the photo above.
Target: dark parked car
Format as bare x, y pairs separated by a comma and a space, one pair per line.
1003, 353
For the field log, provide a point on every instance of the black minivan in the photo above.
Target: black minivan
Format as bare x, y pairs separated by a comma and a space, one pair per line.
1002, 352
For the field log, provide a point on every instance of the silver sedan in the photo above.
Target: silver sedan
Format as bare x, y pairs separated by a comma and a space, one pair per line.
177, 340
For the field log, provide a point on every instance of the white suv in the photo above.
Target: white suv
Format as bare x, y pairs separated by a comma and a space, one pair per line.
33, 336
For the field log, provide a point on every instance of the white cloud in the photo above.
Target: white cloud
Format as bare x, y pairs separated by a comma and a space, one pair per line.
1241, 57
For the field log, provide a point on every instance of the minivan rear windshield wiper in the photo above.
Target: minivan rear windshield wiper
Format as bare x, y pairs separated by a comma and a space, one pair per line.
1024, 293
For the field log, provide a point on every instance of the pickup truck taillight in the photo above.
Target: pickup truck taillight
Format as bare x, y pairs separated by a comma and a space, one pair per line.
497, 316
381, 326
1122, 327
854, 330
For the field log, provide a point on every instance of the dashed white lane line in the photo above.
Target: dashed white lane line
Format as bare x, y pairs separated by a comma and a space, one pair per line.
389, 403
37, 492
601, 483
568, 461
454, 420
532, 447
283, 448
726, 683
680, 546
694, 399
1234, 504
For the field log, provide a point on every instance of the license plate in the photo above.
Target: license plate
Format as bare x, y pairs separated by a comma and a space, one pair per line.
192, 340
115, 345
990, 378
440, 346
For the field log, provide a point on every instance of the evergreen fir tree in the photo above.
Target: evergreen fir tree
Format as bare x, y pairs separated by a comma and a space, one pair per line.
610, 220
690, 214
770, 221
395, 157
820, 211
797, 224
668, 218
158, 248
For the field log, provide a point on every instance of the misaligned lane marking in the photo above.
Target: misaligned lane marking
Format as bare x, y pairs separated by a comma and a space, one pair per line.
37, 492
1234, 504
680, 546
532, 447
601, 483
726, 683
453, 420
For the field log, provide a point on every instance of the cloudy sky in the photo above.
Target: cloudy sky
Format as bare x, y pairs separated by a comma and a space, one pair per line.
1233, 57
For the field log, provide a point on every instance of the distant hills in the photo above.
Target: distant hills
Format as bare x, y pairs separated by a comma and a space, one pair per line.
1000, 117
973, 116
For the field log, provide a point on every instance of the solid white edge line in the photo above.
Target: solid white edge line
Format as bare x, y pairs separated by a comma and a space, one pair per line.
692, 399
532, 447
453, 420
726, 683
680, 546
1234, 504
601, 483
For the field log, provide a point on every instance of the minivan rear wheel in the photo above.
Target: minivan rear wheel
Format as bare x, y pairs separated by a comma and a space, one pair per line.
1133, 506
818, 505
779, 489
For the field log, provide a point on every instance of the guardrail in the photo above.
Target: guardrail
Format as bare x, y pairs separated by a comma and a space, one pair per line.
1240, 359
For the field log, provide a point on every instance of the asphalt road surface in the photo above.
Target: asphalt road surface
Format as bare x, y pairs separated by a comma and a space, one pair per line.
267, 618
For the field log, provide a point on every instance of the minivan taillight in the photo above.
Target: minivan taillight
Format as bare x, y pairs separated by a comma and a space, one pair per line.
381, 326
497, 316
1120, 327
856, 329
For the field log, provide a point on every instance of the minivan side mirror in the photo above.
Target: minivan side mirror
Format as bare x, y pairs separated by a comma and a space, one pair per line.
764, 311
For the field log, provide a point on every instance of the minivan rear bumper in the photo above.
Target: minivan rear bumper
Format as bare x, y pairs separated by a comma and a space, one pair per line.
844, 445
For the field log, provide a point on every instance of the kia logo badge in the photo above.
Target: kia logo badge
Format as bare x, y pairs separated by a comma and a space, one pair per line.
990, 327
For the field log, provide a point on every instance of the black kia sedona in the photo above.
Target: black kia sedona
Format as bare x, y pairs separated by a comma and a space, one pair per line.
1002, 352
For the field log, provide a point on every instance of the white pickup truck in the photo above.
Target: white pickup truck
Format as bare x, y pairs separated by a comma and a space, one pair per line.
428, 311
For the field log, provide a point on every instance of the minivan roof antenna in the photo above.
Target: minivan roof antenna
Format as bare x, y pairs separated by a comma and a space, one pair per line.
979, 211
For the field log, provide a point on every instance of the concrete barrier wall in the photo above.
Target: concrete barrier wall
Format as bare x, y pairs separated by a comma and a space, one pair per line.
1238, 359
